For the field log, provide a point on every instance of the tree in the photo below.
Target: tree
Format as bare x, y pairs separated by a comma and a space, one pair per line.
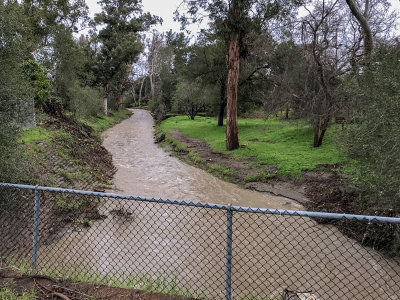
206, 61
16, 95
233, 20
170, 63
120, 40
154, 59
191, 97
332, 43
284, 80
44, 17
321, 45
362, 18
373, 140
40, 83
375, 21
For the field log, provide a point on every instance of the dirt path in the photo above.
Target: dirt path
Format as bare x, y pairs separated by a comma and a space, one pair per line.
270, 253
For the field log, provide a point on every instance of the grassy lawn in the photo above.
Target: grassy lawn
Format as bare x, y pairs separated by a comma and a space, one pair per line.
284, 144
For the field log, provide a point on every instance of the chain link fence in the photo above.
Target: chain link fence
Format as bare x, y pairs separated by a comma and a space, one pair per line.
200, 250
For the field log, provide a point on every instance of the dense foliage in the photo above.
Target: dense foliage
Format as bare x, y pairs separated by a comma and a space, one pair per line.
374, 137
45, 68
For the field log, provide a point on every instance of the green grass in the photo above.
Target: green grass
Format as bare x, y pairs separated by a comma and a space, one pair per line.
35, 134
8, 294
163, 284
99, 123
102, 122
284, 144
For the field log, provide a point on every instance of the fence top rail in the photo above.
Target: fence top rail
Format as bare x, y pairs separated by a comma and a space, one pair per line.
324, 215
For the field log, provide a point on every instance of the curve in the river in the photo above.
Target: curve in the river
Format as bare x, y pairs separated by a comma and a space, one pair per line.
270, 253
145, 169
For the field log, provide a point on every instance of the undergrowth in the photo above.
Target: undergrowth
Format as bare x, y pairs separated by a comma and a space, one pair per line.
8, 294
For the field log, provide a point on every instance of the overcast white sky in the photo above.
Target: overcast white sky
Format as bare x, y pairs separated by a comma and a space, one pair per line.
162, 8
166, 8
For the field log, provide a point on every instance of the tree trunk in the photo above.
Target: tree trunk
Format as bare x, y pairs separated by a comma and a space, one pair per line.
140, 91
134, 95
232, 140
151, 86
119, 101
106, 96
366, 29
221, 114
119, 97
222, 103
320, 128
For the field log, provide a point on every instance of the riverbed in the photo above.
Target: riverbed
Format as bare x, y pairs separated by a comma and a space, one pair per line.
138, 240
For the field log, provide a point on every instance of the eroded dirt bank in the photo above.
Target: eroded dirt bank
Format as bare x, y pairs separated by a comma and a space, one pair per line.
324, 182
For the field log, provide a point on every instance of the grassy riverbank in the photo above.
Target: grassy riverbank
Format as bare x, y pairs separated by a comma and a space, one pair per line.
284, 145
102, 122
98, 123
66, 152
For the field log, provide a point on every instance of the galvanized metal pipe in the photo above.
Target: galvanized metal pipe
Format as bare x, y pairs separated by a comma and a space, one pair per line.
376, 219
36, 216
229, 231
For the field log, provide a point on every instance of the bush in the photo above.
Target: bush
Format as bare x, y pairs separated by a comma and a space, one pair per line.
85, 101
13, 164
374, 139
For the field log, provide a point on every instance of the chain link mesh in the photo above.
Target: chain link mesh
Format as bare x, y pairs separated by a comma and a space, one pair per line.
182, 249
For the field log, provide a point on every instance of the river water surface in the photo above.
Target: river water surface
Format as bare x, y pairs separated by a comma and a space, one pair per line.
270, 253
145, 169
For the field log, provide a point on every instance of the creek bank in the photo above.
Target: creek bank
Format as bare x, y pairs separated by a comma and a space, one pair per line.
48, 288
324, 189
62, 152
307, 190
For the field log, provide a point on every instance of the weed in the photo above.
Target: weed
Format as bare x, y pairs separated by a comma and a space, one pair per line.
86, 223
193, 156
69, 202
8, 294
217, 169
67, 175
52, 179
22, 266
35, 134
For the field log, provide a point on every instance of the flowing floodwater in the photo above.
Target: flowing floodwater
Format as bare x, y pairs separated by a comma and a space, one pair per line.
145, 169
270, 253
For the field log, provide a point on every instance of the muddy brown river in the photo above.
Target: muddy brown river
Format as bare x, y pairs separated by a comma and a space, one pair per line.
146, 244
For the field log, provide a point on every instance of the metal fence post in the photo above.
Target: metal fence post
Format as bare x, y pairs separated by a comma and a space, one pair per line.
35, 229
229, 224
